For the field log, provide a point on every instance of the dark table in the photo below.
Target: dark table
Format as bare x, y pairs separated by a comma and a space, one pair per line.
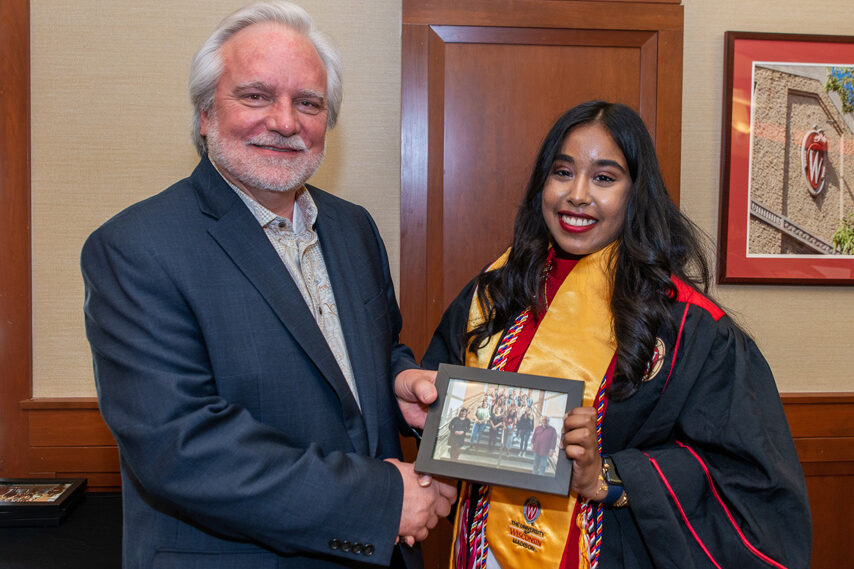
90, 537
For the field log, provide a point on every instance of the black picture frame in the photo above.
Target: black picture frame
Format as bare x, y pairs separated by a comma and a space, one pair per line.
555, 397
38, 501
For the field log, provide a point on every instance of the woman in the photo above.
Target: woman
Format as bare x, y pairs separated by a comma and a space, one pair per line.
500, 399
682, 454
509, 427
526, 427
457, 429
496, 423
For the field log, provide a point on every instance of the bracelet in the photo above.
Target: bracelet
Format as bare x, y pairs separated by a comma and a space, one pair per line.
603, 487
614, 495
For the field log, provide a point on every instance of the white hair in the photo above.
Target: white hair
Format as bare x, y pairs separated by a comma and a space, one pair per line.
206, 68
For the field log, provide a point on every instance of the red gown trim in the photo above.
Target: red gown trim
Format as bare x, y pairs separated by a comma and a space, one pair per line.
689, 295
682, 512
746, 543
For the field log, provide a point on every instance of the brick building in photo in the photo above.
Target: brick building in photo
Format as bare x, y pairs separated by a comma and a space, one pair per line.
802, 162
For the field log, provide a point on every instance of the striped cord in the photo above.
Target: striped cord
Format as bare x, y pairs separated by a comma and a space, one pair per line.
477, 536
593, 516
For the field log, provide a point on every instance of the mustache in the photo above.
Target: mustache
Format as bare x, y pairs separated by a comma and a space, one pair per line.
293, 142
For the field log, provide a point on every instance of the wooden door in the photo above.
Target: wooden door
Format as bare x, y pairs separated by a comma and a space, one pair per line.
482, 82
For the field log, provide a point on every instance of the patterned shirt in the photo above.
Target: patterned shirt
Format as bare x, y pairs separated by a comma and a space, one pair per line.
298, 248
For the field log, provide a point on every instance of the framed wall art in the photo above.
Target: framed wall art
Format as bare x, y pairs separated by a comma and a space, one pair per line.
787, 168
499, 427
38, 502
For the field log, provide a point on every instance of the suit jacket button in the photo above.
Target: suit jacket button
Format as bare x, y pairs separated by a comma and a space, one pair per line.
334, 544
368, 550
346, 545
357, 548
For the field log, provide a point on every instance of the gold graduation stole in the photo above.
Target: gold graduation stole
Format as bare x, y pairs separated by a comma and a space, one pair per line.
582, 305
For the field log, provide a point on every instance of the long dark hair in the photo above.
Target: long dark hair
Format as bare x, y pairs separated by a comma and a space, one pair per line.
657, 241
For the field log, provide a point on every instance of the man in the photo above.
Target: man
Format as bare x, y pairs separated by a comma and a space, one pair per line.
543, 444
244, 330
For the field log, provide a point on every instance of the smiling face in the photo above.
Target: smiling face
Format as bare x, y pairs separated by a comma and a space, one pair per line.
267, 129
584, 198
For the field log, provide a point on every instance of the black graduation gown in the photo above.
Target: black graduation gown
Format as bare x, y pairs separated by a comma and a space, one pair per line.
703, 448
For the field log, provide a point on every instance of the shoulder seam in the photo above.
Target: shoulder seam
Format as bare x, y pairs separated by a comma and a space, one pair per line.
689, 295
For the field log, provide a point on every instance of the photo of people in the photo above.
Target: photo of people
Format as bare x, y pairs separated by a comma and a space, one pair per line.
497, 426
25, 493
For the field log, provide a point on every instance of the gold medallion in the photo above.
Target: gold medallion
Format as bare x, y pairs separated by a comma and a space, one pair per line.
656, 362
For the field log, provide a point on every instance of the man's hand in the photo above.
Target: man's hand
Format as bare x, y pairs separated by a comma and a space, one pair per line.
415, 392
425, 500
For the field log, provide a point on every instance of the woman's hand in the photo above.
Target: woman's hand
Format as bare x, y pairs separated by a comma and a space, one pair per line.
579, 444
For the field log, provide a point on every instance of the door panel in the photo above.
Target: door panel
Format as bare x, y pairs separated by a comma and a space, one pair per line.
482, 82
491, 133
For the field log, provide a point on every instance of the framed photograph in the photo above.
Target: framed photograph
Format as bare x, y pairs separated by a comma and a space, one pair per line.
38, 502
787, 203
500, 428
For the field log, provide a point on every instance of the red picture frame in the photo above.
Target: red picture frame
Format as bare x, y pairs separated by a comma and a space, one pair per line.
766, 244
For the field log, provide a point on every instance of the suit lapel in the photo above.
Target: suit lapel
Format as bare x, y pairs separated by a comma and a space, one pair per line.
344, 276
244, 241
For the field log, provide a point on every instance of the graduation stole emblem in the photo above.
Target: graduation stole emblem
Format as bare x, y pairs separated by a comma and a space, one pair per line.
653, 366
516, 534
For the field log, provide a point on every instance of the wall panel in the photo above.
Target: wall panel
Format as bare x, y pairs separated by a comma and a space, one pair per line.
67, 438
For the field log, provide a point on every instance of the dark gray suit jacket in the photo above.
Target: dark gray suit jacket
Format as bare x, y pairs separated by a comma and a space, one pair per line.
241, 444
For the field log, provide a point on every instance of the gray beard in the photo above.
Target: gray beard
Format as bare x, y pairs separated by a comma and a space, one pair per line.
289, 174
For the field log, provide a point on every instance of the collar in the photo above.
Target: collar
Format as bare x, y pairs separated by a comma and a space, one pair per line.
305, 210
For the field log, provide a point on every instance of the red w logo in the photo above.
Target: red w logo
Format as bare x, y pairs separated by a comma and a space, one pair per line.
814, 158
531, 510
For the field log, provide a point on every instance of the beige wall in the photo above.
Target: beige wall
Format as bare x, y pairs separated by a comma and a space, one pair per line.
110, 122
805, 332
110, 126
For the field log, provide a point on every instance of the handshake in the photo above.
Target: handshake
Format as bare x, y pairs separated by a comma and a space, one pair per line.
425, 500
